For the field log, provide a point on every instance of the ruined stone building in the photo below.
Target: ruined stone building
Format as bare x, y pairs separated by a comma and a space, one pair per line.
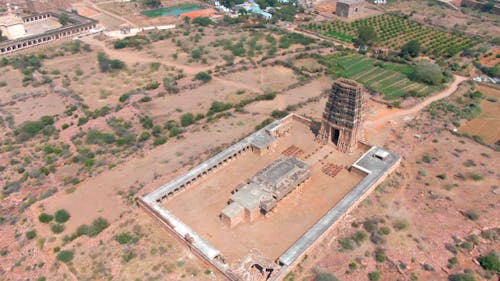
343, 115
263, 191
350, 8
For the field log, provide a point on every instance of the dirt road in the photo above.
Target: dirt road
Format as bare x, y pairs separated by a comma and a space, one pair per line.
410, 111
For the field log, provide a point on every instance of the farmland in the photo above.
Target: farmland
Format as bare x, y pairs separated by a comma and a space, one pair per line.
391, 80
394, 31
486, 125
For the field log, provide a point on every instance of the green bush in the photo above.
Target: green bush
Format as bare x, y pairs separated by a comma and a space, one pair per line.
126, 238
490, 262
346, 243
124, 97
203, 21
57, 228
203, 76
278, 114
159, 141
217, 107
427, 72
92, 230
45, 218
61, 216
264, 123
144, 136
384, 230
31, 234
65, 256
374, 276
187, 119
380, 255
152, 86
145, 99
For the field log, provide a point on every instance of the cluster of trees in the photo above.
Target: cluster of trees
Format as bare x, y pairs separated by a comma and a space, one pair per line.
151, 3
367, 36
427, 72
412, 49
106, 64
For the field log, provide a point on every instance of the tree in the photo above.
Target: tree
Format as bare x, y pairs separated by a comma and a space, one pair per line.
488, 6
151, 3
65, 256
103, 61
286, 13
31, 234
203, 76
411, 48
427, 72
490, 262
63, 19
366, 35
61, 216
45, 218
203, 21
374, 276
187, 119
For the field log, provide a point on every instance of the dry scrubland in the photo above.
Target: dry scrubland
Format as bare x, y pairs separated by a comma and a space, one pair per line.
88, 137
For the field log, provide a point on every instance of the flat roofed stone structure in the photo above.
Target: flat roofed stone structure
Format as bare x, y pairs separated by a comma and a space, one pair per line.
350, 8
343, 115
264, 190
76, 25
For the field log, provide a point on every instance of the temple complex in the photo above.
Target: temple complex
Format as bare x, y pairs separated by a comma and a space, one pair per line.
343, 115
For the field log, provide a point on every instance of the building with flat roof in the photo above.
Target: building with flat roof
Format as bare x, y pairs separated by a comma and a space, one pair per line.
350, 8
264, 190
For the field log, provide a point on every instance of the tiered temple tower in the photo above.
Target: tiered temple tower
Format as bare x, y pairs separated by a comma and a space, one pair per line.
343, 115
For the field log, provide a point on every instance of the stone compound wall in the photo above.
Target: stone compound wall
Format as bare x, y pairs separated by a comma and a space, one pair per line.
82, 25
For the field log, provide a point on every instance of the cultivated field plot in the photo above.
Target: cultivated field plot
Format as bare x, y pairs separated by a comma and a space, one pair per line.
487, 124
394, 31
389, 79
200, 205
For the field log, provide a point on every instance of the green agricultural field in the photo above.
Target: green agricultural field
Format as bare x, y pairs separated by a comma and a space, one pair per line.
389, 79
394, 31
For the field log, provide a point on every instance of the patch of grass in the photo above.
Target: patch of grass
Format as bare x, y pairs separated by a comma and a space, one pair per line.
476, 177
385, 230
400, 225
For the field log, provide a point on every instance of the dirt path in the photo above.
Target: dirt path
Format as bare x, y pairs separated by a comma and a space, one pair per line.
238, 85
97, 8
405, 112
